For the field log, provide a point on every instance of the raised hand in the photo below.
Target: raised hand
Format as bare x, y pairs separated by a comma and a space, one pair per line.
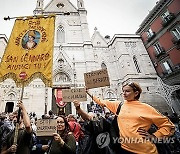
58, 138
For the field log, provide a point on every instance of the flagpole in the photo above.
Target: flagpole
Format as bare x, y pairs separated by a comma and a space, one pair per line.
9, 18
18, 117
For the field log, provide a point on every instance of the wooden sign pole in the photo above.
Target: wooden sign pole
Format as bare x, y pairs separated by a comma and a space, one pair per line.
22, 75
18, 118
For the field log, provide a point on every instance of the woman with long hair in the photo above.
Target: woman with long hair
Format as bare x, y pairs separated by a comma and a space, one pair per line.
64, 141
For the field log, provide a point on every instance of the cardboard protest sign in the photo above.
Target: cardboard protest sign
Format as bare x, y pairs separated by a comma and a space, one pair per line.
69, 95
96, 79
46, 127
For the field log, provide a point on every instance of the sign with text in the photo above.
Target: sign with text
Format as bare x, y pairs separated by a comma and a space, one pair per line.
69, 95
46, 127
96, 79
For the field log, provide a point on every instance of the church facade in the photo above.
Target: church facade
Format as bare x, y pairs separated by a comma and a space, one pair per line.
75, 53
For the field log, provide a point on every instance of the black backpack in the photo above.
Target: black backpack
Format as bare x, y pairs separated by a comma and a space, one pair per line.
96, 127
92, 129
114, 132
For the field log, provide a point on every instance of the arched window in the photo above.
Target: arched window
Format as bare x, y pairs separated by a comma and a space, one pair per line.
110, 96
11, 96
62, 77
136, 64
60, 34
103, 66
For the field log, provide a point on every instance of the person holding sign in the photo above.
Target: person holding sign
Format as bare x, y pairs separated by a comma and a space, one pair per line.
135, 119
64, 141
24, 135
93, 127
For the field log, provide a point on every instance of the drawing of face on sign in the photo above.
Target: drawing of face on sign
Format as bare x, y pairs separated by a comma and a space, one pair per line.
30, 40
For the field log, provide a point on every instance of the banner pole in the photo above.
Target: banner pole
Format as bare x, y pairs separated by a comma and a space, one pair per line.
9, 18
18, 117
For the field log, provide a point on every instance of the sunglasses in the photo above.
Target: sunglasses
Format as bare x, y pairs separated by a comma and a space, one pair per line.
60, 122
132, 85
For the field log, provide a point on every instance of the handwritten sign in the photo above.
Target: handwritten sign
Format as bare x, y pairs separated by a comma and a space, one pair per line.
46, 127
69, 95
96, 79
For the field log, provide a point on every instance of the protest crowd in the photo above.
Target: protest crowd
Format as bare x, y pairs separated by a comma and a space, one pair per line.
88, 133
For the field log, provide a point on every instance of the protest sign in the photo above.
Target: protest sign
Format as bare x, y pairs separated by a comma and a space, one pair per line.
96, 79
46, 127
69, 95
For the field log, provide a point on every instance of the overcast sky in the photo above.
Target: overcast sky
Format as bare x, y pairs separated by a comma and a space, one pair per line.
109, 16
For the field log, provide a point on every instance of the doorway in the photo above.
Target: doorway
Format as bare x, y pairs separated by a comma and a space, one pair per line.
9, 107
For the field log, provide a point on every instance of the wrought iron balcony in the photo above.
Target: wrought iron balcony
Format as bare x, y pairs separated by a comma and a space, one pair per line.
167, 20
153, 34
162, 52
175, 71
176, 68
176, 40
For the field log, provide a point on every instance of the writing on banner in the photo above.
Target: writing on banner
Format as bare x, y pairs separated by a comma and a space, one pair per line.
29, 51
96, 79
27, 61
46, 127
69, 95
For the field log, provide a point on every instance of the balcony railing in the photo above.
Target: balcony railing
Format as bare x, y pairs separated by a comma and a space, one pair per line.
162, 52
176, 40
176, 67
167, 20
175, 71
153, 34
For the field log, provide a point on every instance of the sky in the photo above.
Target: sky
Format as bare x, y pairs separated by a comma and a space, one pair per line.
109, 16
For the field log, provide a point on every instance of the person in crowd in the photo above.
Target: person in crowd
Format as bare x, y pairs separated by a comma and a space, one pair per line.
75, 127
2, 119
23, 138
93, 126
38, 146
33, 125
45, 116
10, 122
109, 117
8, 126
135, 119
3, 130
64, 142
51, 114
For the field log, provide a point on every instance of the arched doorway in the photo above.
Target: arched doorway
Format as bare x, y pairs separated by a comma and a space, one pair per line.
9, 107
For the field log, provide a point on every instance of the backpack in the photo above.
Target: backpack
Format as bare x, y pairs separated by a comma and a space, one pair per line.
97, 127
89, 145
114, 132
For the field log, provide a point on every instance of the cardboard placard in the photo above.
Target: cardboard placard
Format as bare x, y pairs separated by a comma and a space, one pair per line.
46, 127
69, 95
96, 79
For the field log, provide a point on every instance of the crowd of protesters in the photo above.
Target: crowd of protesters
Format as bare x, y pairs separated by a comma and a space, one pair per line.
85, 133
